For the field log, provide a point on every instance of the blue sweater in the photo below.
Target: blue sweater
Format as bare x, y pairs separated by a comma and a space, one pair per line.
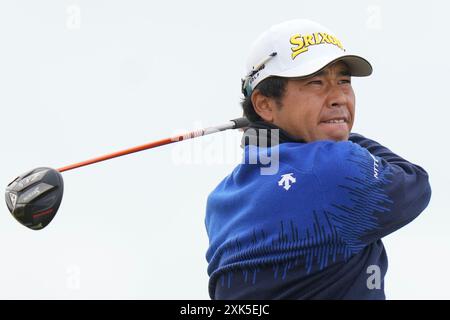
313, 230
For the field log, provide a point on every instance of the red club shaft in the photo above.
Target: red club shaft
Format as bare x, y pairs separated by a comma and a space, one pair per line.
233, 124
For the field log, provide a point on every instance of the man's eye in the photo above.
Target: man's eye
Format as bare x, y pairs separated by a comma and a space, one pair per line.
315, 82
345, 81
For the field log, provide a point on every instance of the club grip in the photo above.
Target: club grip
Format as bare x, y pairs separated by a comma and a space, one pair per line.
240, 122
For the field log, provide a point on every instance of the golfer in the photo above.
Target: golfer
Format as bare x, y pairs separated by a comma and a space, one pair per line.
302, 216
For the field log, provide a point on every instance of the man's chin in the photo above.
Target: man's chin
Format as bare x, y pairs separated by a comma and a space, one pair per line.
338, 136
334, 131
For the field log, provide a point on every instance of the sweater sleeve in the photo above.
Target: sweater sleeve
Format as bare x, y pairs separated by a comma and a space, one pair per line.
373, 192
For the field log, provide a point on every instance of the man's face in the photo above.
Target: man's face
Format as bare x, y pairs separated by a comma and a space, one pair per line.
320, 107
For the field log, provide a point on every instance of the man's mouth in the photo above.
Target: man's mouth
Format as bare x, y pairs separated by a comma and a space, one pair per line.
335, 127
335, 121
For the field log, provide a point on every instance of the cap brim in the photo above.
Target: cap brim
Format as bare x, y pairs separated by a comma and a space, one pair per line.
359, 67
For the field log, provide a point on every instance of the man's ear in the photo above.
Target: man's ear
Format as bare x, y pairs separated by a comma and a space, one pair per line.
264, 106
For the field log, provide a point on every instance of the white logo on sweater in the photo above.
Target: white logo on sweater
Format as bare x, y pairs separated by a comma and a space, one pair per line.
375, 166
286, 180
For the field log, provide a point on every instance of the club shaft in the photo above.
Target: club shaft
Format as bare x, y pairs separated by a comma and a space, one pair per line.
232, 124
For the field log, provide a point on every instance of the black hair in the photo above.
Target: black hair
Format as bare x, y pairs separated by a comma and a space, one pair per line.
272, 87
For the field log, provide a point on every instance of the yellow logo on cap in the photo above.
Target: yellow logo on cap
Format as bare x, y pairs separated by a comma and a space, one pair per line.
303, 42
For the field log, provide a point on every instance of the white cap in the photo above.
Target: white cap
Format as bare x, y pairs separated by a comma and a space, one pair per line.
297, 48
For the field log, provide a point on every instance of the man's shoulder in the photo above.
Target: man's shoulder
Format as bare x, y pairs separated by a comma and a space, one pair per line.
315, 158
309, 156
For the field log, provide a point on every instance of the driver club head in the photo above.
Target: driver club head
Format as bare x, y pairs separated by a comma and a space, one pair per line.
34, 197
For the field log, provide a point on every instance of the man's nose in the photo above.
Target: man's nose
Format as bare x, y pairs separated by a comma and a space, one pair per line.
336, 97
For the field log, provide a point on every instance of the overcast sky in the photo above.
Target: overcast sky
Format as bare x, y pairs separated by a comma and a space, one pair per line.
83, 78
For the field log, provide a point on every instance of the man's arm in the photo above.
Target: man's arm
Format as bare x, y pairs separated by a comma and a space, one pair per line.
371, 191
378, 150
409, 187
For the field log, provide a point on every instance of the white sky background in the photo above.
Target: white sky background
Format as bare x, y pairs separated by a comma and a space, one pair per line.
83, 78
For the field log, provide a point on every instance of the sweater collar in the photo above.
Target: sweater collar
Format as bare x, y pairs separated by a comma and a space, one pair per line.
260, 133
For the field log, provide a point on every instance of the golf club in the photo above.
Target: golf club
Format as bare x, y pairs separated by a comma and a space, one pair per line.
33, 198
